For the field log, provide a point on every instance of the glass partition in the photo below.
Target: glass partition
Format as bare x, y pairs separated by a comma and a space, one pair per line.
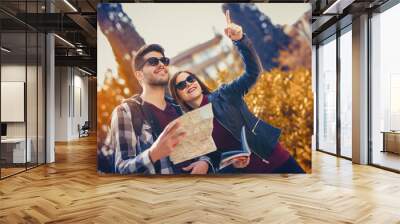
385, 89
14, 154
346, 94
22, 89
327, 96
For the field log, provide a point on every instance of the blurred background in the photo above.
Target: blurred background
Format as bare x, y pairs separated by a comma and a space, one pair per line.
192, 35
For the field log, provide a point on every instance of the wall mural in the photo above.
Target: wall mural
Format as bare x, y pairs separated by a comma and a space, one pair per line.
211, 88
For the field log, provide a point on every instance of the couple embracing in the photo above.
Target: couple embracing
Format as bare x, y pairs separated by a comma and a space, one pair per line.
143, 135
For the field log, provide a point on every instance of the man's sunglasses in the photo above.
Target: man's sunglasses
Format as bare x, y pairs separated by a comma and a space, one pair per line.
153, 61
182, 84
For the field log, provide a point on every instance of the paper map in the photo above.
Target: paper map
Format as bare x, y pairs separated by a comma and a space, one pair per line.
198, 125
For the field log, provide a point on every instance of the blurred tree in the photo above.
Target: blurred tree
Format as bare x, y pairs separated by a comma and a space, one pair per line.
125, 41
282, 96
285, 100
299, 51
267, 38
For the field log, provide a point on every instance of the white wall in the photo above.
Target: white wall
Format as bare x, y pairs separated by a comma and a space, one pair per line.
80, 100
61, 103
33, 127
12, 73
71, 93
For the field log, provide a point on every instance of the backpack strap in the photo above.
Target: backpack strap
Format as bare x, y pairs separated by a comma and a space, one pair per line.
135, 105
140, 113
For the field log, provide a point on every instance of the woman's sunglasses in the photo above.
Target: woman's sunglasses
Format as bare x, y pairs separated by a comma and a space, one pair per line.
182, 84
153, 61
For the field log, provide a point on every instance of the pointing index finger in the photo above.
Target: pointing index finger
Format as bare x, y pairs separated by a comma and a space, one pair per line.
228, 17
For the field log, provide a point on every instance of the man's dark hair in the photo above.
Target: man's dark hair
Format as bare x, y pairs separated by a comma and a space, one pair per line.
138, 60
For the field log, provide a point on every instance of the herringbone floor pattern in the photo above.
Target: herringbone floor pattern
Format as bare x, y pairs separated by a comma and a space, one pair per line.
70, 191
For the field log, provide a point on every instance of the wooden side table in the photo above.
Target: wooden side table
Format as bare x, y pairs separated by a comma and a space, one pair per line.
391, 141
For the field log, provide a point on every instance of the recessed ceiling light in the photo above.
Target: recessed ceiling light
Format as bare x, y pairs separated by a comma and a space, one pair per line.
5, 50
338, 6
84, 71
70, 5
64, 40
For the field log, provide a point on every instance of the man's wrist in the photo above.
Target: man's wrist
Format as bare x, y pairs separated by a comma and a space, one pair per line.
154, 157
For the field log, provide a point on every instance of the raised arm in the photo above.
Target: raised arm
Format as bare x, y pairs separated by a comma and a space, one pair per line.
240, 86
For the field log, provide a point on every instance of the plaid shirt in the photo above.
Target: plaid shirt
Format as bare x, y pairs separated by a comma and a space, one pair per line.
132, 149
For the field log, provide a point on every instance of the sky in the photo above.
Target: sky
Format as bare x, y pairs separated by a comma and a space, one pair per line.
179, 26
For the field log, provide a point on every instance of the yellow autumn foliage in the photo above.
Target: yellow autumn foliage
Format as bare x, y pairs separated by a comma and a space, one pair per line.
284, 100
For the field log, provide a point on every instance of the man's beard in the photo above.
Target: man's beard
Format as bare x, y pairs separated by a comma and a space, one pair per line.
158, 82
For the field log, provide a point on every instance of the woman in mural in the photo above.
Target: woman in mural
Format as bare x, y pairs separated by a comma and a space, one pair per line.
231, 114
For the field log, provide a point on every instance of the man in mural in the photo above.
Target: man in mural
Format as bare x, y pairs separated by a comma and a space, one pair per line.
142, 134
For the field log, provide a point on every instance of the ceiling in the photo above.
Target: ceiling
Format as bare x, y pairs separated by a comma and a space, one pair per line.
75, 21
332, 15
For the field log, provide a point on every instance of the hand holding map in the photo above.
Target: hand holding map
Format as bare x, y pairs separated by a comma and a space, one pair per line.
198, 126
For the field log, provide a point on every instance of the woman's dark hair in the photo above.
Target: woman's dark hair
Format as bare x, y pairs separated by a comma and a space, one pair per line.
174, 92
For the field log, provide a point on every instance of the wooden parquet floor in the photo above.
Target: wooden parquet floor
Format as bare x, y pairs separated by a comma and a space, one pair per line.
70, 191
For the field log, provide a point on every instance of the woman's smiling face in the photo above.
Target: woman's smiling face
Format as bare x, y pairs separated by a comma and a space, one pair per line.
192, 89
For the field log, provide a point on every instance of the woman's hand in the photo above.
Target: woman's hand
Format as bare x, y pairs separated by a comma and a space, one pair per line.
199, 167
241, 162
233, 31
